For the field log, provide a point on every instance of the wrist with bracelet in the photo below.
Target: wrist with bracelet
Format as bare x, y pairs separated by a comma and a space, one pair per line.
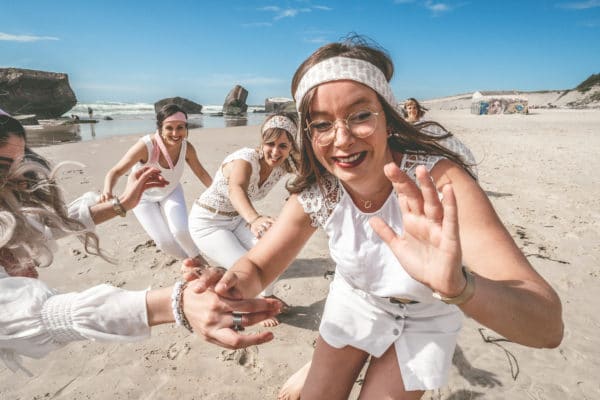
465, 295
249, 224
118, 207
177, 306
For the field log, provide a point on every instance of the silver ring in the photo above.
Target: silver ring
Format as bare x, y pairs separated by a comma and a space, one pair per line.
237, 322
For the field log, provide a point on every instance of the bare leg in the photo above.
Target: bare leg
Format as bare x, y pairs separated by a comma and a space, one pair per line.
293, 386
332, 372
383, 379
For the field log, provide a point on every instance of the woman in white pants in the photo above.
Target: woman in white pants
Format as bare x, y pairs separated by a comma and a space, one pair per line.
223, 222
162, 212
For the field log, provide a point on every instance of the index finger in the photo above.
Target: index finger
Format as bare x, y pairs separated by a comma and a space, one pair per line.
227, 337
257, 305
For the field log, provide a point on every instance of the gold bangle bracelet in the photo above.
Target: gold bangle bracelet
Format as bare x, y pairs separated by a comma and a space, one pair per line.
466, 294
118, 207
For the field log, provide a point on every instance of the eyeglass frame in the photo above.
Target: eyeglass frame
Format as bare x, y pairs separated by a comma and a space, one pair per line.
346, 124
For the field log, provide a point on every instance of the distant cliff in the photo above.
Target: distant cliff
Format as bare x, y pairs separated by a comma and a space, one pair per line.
45, 94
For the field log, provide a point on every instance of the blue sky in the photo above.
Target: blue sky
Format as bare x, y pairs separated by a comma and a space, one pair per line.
144, 51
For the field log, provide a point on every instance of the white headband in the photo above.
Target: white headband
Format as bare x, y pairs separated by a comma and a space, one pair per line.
344, 68
281, 122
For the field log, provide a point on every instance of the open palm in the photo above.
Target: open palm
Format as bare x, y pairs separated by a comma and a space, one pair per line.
429, 246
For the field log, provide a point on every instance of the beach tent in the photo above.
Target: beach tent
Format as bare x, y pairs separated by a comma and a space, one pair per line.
486, 103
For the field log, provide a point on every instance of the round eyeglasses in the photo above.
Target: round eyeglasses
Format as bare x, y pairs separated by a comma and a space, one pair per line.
360, 124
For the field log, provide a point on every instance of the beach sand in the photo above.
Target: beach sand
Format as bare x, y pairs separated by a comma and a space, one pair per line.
540, 171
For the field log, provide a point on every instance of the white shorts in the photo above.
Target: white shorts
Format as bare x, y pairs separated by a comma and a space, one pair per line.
424, 334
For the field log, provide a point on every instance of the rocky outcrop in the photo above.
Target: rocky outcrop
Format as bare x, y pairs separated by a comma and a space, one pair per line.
189, 106
26, 91
235, 102
277, 104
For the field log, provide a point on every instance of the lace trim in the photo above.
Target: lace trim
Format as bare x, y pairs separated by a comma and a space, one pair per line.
319, 204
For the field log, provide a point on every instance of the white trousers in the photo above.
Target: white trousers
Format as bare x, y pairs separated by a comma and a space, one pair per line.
221, 238
166, 222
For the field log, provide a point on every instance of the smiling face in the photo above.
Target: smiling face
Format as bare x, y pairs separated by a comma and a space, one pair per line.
173, 132
276, 151
412, 111
353, 160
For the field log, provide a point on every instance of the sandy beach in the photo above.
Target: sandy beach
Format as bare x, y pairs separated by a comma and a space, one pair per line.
540, 172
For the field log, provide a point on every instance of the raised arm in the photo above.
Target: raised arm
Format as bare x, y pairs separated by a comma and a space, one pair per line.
192, 160
510, 296
137, 152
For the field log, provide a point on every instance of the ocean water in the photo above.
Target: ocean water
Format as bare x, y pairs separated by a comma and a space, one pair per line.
128, 119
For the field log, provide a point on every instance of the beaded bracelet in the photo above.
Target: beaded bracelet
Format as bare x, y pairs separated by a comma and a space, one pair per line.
177, 305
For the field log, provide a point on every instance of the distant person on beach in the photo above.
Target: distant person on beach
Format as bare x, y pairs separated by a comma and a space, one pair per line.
414, 110
223, 221
415, 240
162, 212
90, 112
35, 319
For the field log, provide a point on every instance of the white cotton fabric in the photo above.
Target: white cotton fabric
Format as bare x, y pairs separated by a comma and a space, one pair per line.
344, 68
358, 312
35, 319
173, 176
217, 194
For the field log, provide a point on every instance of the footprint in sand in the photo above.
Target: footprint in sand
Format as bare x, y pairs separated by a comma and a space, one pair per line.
247, 357
176, 349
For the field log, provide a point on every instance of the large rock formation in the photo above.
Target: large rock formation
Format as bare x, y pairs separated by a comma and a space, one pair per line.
277, 104
26, 91
235, 102
189, 106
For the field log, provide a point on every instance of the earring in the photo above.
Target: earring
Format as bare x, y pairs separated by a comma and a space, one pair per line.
261, 154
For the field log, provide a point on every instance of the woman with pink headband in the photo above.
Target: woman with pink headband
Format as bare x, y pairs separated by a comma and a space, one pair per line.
223, 222
415, 239
162, 212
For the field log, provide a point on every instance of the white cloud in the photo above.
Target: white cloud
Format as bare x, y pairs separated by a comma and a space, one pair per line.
24, 38
323, 8
257, 24
580, 5
316, 40
437, 8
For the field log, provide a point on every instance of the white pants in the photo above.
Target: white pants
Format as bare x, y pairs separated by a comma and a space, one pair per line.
166, 222
221, 238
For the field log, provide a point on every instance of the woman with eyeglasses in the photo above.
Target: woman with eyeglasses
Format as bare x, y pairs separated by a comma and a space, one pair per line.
224, 222
416, 242
36, 319
162, 212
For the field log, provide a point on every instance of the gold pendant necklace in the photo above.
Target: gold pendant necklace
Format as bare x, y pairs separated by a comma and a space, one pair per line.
367, 204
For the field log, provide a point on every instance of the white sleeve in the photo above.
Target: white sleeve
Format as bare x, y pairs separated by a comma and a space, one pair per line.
79, 209
35, 320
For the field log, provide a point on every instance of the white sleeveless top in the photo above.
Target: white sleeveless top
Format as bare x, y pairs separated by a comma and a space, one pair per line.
217, 195
362, 259
173, 176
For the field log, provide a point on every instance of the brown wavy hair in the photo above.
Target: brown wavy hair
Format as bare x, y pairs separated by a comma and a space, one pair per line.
403, 137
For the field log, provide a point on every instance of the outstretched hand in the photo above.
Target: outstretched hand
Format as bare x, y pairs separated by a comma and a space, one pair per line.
429, 245
139, 181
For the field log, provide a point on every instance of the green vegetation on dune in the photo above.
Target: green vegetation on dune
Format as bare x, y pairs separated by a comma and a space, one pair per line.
586, 85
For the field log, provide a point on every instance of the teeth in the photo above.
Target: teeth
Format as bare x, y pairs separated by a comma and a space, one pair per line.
349, 159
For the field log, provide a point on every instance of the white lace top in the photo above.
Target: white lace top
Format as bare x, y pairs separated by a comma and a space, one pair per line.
362, 258
35, 319
217, 195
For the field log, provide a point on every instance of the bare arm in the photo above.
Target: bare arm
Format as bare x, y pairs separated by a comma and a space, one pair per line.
238, 173
271, 255
137, 183
510, 297
137, 152
192, 160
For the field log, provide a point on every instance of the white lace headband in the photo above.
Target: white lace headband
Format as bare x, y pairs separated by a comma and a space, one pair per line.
344, 68
281, 122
